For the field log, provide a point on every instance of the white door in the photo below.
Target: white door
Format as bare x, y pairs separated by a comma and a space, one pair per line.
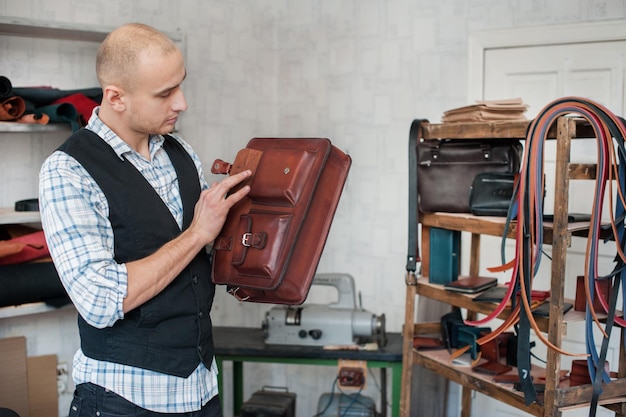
586, 62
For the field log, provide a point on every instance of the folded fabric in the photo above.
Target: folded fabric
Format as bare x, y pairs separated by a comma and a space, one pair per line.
6, 88
83, 105
30, 283
62, 113
24, 248
8, 248
44, 95
34, 118
12, 108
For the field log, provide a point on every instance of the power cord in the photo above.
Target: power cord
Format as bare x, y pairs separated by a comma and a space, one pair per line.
354, 399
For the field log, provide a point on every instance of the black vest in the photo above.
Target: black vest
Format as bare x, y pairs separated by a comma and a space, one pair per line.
170, 333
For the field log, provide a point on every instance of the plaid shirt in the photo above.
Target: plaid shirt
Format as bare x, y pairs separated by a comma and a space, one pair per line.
74, 215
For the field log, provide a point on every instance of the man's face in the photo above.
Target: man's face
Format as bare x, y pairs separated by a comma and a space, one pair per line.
155, 100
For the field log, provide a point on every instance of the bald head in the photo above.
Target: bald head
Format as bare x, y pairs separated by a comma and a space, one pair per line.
119, 55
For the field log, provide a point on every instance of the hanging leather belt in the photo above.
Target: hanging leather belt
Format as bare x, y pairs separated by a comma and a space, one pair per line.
413, 251
529, 197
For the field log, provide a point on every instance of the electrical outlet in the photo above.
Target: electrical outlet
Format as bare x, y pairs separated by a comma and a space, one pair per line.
62, 375
351, 377
351, 374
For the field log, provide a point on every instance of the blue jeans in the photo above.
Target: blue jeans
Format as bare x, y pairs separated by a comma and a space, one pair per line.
92, 400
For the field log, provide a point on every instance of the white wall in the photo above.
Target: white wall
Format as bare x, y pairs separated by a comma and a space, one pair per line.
356, 71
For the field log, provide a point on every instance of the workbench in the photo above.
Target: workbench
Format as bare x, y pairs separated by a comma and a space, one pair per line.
246, 344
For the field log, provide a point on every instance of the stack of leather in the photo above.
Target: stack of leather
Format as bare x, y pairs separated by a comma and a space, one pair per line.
43, 105
487, 110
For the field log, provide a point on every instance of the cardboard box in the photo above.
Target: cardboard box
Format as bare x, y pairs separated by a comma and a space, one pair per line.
14, 375
28, 385
43, 399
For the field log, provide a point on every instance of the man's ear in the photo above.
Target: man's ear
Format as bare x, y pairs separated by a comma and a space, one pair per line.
114, 96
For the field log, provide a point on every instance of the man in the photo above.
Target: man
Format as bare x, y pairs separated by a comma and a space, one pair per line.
127, 215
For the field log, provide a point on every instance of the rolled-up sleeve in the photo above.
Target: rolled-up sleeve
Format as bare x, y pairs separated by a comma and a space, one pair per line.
74, 216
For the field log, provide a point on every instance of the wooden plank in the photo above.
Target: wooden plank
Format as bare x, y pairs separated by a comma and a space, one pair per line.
478, 130
424, 328
581, 395
494, 226
566, 128
497, 130
407, 351
475, 255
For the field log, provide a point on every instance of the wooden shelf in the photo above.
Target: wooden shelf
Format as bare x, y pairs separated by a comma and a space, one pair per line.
466, 301
503, 129
566, 396
492, 226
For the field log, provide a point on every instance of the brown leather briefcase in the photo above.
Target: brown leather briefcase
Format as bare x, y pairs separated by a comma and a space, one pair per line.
272, 241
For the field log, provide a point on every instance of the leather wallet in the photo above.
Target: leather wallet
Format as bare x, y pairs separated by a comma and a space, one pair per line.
580, 302
471, 284
579, 374
571, 217
424, 343
507, 378
544, 309
538, 387
492, 368
496, 294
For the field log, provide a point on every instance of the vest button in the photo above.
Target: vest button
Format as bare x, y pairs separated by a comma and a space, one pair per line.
200, 314
199, 348
194, 279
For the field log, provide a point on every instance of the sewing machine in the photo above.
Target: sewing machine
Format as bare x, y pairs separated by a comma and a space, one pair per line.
338, 324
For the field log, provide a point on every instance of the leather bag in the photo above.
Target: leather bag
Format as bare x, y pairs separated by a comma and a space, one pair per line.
447, 168
491, 193
272, 240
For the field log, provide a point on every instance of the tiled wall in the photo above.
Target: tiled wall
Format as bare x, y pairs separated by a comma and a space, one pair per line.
356, 71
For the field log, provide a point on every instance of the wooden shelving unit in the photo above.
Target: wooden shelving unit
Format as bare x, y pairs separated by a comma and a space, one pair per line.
558, 394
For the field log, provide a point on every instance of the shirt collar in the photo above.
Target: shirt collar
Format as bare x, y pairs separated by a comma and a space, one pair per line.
115, 142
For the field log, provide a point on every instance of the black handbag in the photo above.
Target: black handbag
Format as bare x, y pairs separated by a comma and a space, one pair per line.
447, 168
491, 193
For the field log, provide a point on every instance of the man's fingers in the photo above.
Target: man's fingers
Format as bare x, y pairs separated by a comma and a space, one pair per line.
233, 180
221, 190
235, 197
226, 185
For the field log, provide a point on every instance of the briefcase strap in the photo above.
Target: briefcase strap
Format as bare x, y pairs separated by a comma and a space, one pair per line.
413, 251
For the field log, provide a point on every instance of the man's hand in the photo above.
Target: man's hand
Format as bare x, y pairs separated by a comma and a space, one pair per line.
213, 206
148, 276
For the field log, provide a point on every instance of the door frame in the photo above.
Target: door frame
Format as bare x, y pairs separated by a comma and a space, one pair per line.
481, 41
